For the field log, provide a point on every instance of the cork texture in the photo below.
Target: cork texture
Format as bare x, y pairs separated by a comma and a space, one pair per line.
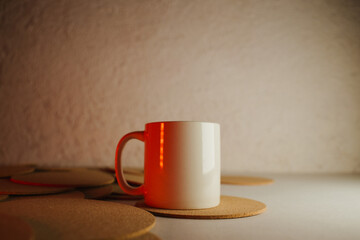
3, 197
245, 180
15, 228
73, 218
147, 236
229, 207
81, 178
11, 188
8, 171
97, 192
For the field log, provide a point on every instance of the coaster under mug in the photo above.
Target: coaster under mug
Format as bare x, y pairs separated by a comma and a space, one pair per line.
229, 207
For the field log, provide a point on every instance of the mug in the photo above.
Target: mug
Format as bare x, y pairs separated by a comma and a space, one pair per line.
181, 165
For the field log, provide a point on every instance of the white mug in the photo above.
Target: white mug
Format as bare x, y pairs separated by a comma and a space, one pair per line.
181, 166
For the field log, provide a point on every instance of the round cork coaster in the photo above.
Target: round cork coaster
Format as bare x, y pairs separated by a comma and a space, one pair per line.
117, 189
124, 197
147, 236
71, 194
12, 227
11, 188
245, 180
134, 179
3, 197
229, 207
130, 170
80, 178
107, 169
8, 171
62, 218
134, 170
119, 194
97, 192
60, 169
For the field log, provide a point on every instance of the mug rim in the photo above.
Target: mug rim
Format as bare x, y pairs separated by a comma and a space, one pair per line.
157, 122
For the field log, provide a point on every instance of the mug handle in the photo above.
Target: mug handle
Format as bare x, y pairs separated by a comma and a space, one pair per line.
139, 135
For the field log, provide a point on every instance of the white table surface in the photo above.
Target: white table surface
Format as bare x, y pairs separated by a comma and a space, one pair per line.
299, 207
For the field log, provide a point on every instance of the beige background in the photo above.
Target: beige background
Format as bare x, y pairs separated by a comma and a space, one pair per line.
281, 77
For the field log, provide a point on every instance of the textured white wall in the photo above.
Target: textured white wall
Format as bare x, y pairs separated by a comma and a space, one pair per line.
281, 77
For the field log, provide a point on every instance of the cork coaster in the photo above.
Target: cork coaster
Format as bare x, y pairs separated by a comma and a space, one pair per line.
124, 197
3, 197
8, 171
97, 192
71, 194
229, 207
34, 165
60, 169
133, 170
12, 227
107, 169
11, 188
134, 179
62, 218
130, 170
81, 178
147, 236
119, 194
117, 189
245, 180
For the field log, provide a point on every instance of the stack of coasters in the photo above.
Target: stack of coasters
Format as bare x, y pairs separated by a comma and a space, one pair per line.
50, 203
95, 184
